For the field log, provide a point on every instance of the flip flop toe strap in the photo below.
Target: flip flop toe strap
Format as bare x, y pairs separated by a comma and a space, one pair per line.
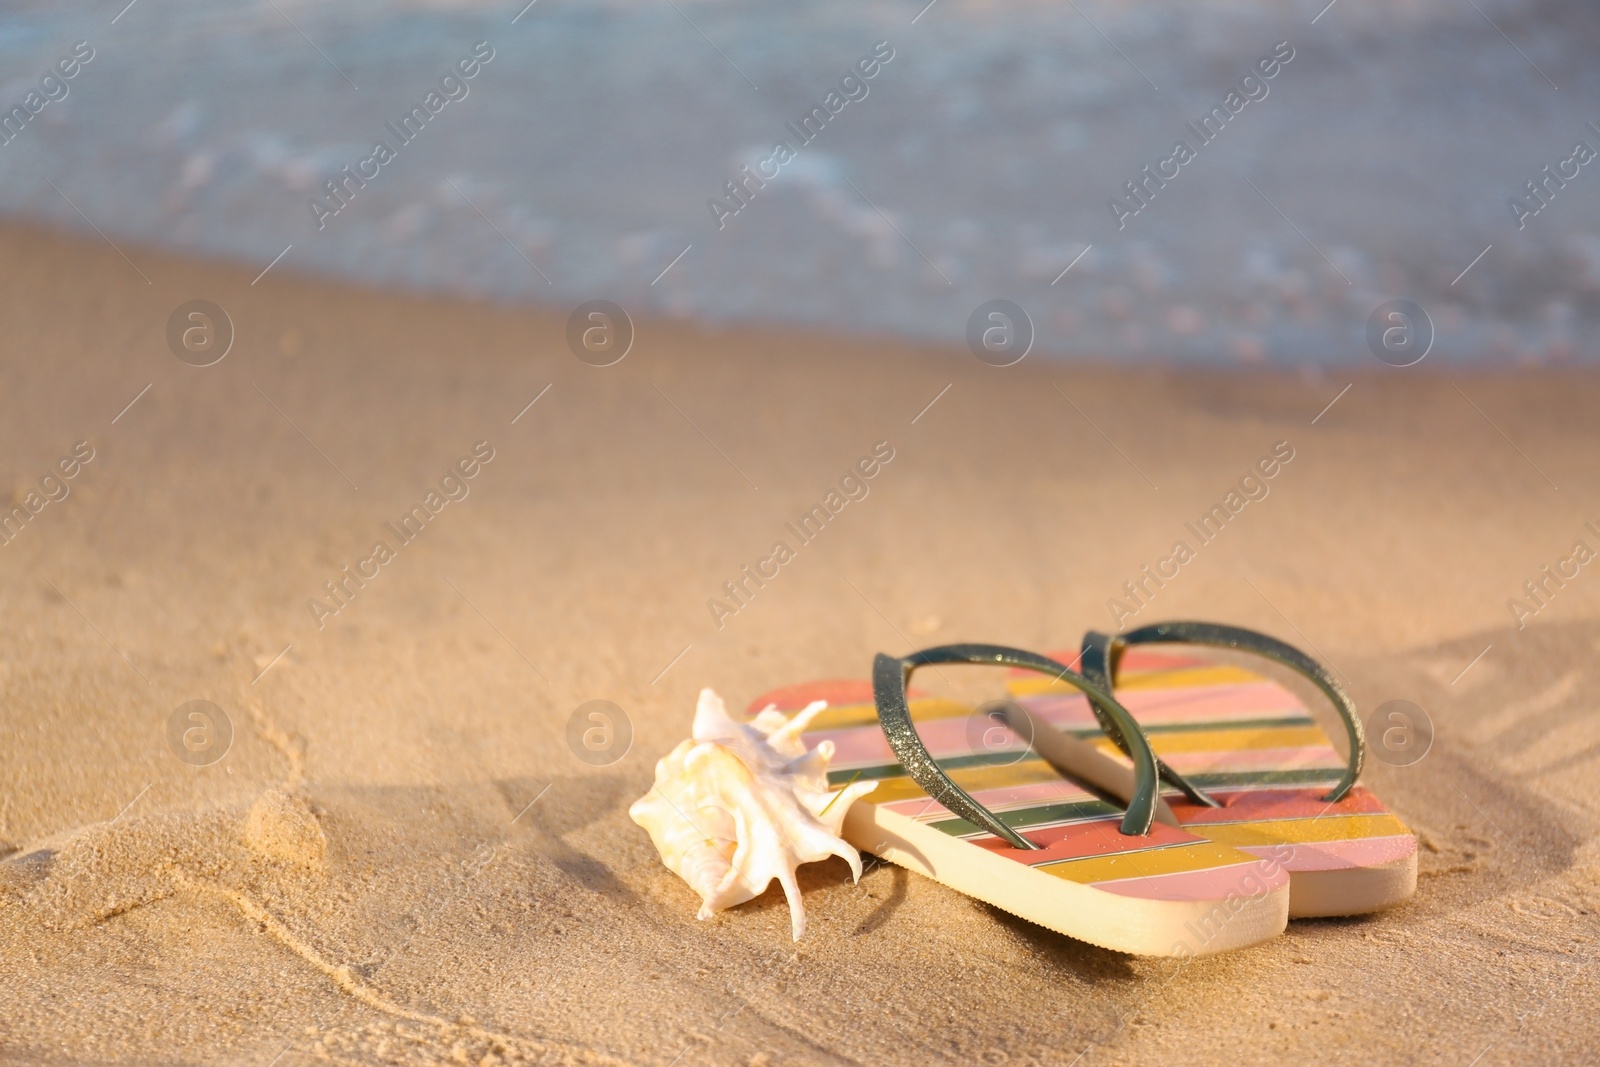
1102, 654
890, 679
1096, 662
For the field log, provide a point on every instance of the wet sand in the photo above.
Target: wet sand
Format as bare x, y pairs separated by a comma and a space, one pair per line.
400, 859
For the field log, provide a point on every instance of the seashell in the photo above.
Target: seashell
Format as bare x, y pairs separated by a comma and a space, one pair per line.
738, 805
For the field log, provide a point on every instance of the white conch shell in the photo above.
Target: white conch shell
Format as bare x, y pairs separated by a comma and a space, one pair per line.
738, 806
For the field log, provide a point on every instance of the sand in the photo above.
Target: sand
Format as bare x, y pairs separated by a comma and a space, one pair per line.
400, 859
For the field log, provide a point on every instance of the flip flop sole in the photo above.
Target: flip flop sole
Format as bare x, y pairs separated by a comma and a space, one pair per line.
1254, 747
1170, 893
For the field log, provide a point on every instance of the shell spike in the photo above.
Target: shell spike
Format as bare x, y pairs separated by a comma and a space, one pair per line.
791, 731
853, 858
711, 722
797, 908
813, 764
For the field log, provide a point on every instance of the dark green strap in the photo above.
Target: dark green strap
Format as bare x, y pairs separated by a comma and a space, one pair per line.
890, 679
1107, 654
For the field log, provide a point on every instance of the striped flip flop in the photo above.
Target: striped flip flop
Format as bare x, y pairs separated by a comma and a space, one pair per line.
964, 799
1244, 762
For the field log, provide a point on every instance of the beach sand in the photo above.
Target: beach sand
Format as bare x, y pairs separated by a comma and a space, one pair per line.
400, 860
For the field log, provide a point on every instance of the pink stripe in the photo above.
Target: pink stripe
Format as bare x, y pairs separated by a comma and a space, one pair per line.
859, 746
1214, 883
865, 746
1138, 659
1246, 759
1223, 761
1081, 840
923, 808
1339, 855
1034, 793
1276, 803
1211, 703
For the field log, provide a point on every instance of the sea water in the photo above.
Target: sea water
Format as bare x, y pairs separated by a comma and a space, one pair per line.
629, 150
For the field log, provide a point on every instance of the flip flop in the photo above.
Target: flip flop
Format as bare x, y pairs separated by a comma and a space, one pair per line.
969, 803
1246, 764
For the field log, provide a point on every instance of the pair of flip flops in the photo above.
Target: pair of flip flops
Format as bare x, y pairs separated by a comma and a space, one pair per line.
1153, 801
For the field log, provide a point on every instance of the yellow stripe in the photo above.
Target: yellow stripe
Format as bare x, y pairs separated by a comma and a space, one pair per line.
1226, 741
972, 779
923, 709
1219, 674
844, 716
1237, 740
1300, 831
1173, 679
1199, 856
1230, 673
